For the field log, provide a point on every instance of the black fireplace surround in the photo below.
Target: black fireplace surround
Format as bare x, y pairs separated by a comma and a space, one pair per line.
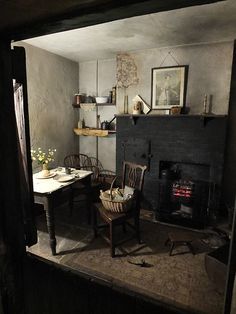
185, 159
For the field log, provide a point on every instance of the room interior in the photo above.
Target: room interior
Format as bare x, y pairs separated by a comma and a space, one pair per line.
56, 74
94, 70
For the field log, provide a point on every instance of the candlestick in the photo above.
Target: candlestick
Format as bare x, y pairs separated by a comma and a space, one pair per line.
205, 105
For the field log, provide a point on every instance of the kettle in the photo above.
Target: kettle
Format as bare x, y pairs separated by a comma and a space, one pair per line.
105, 125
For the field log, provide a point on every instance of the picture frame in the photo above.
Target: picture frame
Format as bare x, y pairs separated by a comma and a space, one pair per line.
169, 86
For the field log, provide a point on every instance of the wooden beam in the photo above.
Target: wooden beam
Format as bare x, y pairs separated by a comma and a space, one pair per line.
94, 13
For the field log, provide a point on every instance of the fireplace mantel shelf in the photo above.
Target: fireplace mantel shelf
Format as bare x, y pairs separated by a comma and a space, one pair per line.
204, 117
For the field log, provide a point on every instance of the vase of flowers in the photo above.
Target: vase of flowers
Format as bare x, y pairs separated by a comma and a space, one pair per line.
126, 75
43, 158
45, 172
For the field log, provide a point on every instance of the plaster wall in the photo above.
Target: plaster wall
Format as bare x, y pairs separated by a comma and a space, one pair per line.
52, 82
209, 73
97, 78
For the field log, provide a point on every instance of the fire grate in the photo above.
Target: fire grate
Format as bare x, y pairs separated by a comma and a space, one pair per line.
181, 199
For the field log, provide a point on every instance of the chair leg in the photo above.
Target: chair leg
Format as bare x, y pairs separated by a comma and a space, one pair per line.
137, 228
71, 203
189, 245
171, 248
112, 243
167, 242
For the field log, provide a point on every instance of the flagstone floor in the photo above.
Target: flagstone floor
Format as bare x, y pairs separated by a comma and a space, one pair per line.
180, 279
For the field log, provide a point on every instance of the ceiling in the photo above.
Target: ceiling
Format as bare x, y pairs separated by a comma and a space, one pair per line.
193, 25
21, 19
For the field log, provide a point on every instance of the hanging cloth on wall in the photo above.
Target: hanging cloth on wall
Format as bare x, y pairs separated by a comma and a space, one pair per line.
88, 106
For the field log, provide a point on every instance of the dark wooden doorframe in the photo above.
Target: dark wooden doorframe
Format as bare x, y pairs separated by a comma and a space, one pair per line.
12, 245
18, 58
231, 269
230, 184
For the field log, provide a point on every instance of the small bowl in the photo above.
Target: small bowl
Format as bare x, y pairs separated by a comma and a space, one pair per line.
101, 99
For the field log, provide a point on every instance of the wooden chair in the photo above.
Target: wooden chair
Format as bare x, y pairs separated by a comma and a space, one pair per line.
76, 161
95, 184
95, 162
103, 177
132, 176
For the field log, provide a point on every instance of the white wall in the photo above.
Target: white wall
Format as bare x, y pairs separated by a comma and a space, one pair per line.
52, 81
209, 73
89, 84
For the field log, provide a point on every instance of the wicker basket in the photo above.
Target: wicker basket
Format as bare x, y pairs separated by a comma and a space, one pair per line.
115, 206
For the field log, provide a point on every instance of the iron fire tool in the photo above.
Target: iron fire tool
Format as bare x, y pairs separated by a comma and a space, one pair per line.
105, 125
142, 263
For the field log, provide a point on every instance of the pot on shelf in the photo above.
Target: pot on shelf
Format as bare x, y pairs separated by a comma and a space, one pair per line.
102, 99
105, 125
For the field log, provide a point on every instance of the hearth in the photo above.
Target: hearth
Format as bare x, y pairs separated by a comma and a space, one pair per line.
192, 146
184, 193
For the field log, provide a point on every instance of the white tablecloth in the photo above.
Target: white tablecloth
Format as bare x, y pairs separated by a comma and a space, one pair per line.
52, 184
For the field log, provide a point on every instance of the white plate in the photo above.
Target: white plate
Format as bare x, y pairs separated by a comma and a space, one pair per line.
40, 176
65, 178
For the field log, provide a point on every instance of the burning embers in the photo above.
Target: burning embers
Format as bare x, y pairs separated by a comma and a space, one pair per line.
183, 189
183, 193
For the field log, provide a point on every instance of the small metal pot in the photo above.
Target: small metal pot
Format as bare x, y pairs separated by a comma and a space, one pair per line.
105, 125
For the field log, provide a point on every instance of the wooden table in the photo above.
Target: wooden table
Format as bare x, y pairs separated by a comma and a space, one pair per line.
47, 190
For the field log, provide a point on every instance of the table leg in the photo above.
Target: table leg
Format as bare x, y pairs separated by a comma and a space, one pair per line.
48, 206
71, 198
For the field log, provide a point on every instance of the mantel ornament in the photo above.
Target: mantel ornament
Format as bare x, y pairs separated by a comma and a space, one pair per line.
126, 75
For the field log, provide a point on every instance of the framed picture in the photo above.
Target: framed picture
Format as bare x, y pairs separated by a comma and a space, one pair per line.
169, 87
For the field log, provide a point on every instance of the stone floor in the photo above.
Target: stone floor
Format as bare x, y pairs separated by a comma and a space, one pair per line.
180, 279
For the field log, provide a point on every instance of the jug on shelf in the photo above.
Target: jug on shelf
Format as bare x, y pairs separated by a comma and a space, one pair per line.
105, 125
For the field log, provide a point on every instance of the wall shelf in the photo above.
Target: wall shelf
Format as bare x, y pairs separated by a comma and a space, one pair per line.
105, 104
205, 118
93, 132
173, 115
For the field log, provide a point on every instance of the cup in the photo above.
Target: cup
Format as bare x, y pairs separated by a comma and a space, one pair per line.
68, 170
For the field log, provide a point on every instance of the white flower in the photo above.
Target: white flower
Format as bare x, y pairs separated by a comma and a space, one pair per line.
42, 157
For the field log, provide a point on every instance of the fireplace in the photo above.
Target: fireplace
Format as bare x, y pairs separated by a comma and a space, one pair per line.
184, 152
184, 193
